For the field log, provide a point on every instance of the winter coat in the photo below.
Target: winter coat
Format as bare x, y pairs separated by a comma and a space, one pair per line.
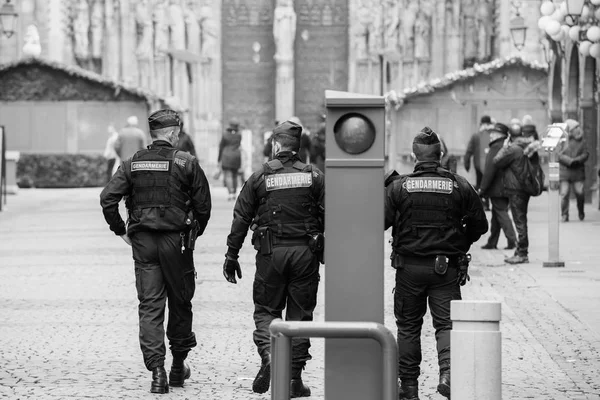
185, 143
511, 159
130, 141
492, 184
572, 155
476, 148
230, 155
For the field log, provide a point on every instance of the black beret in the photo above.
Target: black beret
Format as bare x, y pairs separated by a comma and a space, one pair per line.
426, 145
500, 128
486, 119
163, 119
288, 128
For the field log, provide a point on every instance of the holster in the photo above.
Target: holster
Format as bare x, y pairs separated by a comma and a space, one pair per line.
192, 235
441, 265
316, 243
262, 241
397, 260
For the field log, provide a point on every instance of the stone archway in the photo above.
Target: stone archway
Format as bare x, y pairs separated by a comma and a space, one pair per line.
555, 90
588, 118
571, 100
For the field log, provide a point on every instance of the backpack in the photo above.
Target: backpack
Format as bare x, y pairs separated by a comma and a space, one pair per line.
532, 179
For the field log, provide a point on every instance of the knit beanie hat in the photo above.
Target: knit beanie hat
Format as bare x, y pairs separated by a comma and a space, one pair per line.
571, 124
427, 146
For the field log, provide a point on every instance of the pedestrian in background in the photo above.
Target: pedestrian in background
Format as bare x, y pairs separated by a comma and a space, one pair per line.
492, 187
185, 142
435, 216
510, 159
110, 153
476, 150
528, 128
317, 147
169, 205
283, 203
572, 155
304, 152
230, 157
131, 139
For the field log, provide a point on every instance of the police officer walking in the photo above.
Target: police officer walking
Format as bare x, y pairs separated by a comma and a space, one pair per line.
169, 204
283, 204
436, 216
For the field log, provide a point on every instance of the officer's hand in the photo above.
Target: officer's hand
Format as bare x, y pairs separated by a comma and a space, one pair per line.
463, 278
126, 239
230, 268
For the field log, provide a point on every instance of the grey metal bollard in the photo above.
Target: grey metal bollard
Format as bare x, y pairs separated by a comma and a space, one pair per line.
281, 350
476, 350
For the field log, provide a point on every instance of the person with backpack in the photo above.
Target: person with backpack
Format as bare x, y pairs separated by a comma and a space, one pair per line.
572, 155
492, 187
520, 162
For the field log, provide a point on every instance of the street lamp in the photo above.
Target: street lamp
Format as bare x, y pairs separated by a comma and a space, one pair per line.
574, 10
8, 19
518, 31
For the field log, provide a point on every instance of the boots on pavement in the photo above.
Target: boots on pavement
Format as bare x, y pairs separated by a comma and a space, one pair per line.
159, 381
443, 387
408, 390
263, 378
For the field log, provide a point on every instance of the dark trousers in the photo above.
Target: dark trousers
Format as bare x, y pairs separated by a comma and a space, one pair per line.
163, 273
110, 163
501, 220
230, 180
565, 192
288, 278
478, 178
416, 285
518, 207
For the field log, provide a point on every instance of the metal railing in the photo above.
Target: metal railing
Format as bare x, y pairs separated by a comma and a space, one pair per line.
282, 333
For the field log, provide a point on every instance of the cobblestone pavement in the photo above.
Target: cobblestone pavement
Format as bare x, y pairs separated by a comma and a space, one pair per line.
68, 321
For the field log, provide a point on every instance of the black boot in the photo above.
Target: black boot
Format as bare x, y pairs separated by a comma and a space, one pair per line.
298, 388
443, 387
408, 390
180, 371
159, 381
263, 378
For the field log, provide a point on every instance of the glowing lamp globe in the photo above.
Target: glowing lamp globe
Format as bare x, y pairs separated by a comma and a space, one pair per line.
547, 8
574, 33
584, 48
595, 50
593, 34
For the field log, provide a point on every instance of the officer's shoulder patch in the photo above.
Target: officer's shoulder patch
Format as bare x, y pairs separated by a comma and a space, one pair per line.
288, 181
149, 166
429, 184
180, 161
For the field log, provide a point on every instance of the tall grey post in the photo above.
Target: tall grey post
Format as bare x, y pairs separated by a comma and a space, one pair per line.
354, 239
476, 356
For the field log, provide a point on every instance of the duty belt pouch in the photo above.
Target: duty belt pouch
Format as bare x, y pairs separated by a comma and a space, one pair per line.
441, 265
397, 260
265, 242
316, 243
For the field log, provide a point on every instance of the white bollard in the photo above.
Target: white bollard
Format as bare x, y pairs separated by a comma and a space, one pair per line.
476, 350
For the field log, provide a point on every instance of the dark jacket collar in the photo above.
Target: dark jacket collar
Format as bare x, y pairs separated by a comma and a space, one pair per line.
160, 143
286, 155
427, 165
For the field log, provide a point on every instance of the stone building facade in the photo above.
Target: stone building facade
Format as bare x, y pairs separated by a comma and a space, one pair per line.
266, 60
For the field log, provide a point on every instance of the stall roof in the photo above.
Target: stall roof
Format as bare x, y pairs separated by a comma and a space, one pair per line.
78, 72
459, 76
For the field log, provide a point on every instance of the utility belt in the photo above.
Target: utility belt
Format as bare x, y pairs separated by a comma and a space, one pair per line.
440, 263
263, 241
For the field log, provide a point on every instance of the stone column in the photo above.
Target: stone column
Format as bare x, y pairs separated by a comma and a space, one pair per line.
284, 33
112, 57
589, 123
56, 31
127, 45
284, 92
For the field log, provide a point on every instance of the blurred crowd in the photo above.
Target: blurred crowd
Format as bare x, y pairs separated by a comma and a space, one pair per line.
507, 167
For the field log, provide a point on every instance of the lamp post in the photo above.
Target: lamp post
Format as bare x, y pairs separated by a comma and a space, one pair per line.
8, 19
574, 10
518, 31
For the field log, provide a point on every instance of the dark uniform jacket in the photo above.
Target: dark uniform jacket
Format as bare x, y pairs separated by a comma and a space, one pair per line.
572, 155
511, 159
184, 175
433, 212
289, 213
492, 184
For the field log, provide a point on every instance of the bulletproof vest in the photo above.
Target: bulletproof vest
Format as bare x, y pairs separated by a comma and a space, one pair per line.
286, 202
429, 213
155, 185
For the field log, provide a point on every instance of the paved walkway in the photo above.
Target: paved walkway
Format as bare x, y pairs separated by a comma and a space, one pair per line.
68, 321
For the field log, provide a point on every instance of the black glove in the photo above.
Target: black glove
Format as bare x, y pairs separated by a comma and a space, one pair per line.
463, 277
230, 268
